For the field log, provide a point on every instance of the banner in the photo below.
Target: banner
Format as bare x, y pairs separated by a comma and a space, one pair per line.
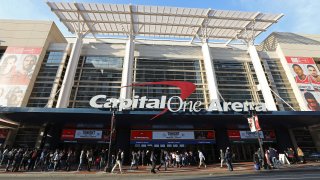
254, 123
266, 135
307, 78
68, 134
250, 135
16, 69
173, 135
88, 134
204, 135
141, 135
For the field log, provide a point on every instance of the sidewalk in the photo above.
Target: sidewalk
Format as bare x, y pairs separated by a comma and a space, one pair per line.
239, 168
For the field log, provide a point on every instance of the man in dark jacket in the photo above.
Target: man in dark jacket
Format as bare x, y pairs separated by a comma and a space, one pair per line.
162, 160
153, 160
228, 158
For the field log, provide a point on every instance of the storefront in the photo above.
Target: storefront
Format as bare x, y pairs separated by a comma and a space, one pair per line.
244, 143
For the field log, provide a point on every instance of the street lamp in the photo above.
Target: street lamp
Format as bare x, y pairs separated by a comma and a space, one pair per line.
254, 115
112, 129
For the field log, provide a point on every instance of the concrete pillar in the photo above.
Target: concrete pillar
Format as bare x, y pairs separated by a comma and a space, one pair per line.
263, 82
127, 71
211, 76
293, 139
68, 80
11, 137
40, 136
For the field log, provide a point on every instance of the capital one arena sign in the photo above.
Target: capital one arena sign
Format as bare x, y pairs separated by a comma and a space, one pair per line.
166, 103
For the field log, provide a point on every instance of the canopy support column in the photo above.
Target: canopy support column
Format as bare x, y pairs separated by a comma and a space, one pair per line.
127, 71
68, 80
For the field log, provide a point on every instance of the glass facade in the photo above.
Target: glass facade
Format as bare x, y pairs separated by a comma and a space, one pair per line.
153, 70
46, 78
281, 85
96, 75
237, 81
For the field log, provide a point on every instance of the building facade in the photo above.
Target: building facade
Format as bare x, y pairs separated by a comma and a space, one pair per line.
47, 87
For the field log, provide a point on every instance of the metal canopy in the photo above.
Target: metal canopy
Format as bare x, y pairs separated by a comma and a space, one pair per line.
161, 21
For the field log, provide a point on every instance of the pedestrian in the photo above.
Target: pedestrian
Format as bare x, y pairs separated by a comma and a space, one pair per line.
56, 160
201, 159
228, 158
32, 160
221, 158
10, 158
134, 161
273, 157
25, 158
267, 156
4, 156
69, 160
290, 155
42, 158
16, 161
153, 160
89, 157
143, 154
81, 159
162, 160
256, 161
300, 155
118, 161
97, 162
122, 157
103, 158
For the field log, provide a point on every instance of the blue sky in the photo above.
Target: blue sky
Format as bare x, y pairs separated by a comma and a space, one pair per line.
301, 16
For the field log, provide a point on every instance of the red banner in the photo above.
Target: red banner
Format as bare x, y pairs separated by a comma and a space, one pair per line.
141, 135
68, 134
234, 134
300, 60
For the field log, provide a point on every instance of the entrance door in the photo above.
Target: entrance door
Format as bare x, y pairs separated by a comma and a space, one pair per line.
244, 151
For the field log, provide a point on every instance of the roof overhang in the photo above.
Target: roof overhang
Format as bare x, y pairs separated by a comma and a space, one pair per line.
161, 22
288, 119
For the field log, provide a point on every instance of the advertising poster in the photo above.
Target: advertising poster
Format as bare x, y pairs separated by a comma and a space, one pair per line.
88, 134
207, 135
16, 69
141, 135
173, 135
307, 78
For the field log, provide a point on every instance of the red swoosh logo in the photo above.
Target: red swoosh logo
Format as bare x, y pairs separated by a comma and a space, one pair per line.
186, 89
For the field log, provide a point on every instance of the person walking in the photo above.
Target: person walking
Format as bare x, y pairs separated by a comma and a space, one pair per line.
134, 161
119, 161
228, 158
56, 159
153, 160
143, 154
89, 156
162, 160
201, 159
221, 158
256, 161
300, 155
81, 159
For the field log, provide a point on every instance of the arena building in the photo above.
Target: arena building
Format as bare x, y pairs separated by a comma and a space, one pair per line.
175, 78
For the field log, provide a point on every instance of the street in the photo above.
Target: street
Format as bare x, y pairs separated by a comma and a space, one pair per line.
306, 172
